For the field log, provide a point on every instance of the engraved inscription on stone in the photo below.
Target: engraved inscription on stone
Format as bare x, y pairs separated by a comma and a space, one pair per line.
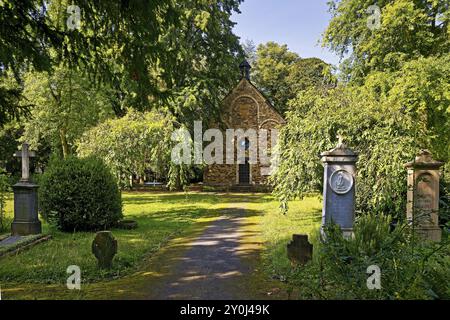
424, 199
341, 181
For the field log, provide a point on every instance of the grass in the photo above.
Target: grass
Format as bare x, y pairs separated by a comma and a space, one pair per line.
161, 217
303, 217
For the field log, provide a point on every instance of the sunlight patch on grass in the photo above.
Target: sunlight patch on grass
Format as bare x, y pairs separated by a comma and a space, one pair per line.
303, 217
160, 217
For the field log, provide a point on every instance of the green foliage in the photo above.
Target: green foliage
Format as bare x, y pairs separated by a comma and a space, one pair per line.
312, 127
151, 53
444, 201
179, 176
422, 91
387, 121
9, 136
11, 105
409, 30
79, 194
270, 71
132, 144
4, 189
410, 269
282, 74
206, 55
65, 105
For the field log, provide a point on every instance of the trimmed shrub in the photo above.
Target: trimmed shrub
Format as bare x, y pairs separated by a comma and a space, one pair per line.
79, 195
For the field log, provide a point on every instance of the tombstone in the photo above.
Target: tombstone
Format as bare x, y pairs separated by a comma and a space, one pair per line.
299, 250
104, 248
422, 208
26, 221
339, 188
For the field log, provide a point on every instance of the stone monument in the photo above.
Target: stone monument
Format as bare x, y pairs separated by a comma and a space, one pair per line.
423, 195
339, 188
104, 248
26, 221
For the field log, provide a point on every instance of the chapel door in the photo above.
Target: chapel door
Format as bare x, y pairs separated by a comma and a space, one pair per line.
244, 172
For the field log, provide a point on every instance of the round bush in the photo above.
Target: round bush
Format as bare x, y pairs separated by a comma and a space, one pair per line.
79, 195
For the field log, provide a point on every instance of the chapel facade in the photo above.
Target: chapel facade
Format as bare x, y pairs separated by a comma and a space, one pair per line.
245, 107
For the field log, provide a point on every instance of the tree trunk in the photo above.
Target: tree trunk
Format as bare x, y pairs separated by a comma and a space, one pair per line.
64, 144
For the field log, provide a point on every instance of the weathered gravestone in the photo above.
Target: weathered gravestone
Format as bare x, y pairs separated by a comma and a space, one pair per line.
423, 195
104, 248
339, 188
299, 250
26, 221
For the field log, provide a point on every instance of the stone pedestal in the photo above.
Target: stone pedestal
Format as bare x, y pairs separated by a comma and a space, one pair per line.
422, 208
26, 219
339, 188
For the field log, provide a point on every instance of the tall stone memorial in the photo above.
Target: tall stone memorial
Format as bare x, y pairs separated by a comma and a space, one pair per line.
26, 219
423, 195
339, 188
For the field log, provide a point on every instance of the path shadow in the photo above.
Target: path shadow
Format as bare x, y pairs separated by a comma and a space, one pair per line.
211, 265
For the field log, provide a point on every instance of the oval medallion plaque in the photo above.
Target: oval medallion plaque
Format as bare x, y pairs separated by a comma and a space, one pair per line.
341, 181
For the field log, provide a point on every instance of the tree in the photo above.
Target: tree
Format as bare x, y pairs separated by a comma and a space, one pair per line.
131, 145
32, 29
388, 120
150, 52
207, 64
314, 121
309, 73
65, 105
9, 137
420, 89
11, 104
271, 70
281, 74
408, 30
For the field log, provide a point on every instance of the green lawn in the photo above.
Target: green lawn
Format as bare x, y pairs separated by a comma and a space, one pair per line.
277, 229
161, 217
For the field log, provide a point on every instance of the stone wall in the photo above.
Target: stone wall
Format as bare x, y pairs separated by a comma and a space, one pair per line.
244, 108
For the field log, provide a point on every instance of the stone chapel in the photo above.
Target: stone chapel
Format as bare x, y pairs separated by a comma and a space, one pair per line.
245, 107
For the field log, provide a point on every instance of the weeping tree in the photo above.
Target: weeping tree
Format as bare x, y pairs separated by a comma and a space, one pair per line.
134, 144
388, 120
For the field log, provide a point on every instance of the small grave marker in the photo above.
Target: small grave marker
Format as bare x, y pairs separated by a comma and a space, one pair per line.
299, 250
104, 248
